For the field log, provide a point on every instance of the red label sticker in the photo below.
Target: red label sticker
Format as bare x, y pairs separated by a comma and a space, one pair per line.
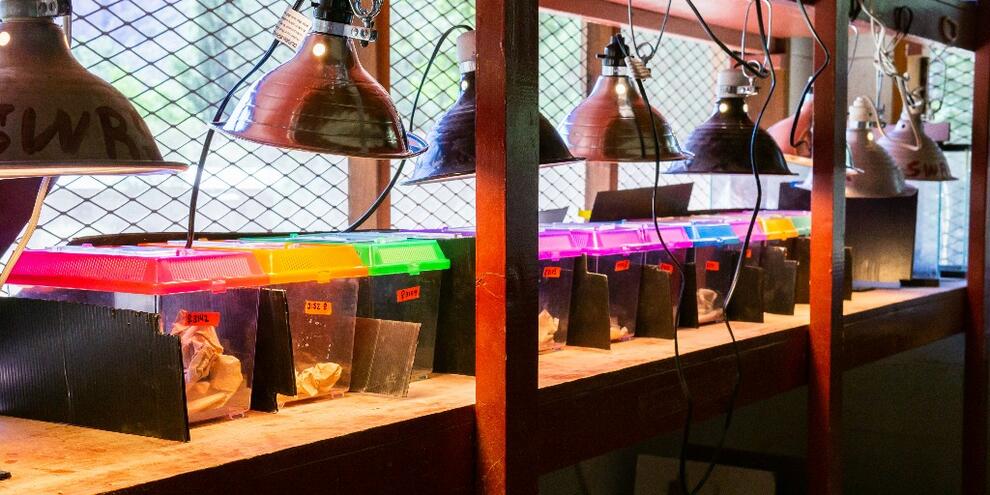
711, 266
621, 266
551, 272
323, 308
749, 253
410, 294
199, 318
667, 267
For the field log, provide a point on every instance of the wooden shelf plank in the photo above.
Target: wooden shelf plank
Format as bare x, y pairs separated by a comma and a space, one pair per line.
593, 402
356, 444
590, 402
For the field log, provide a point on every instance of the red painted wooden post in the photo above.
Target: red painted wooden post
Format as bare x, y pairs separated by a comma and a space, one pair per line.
507, 206
827, 243
975, 380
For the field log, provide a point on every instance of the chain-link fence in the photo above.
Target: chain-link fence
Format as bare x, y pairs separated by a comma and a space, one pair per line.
175, 59
952, 81
416, 25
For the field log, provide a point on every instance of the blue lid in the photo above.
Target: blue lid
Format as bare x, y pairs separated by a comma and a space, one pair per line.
708, 233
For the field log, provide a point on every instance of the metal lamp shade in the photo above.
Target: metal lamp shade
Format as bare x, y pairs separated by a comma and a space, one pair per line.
922, 161
612, 125
781, 133
721, 145
56, 118
873, 173
323, 101
451, 153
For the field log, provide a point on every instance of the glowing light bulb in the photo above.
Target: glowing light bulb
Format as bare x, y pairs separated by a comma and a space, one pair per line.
869, 136
723, 107
4, 38
319, 49
746, 107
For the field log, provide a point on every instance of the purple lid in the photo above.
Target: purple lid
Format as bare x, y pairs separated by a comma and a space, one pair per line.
675, 235
605, 239
557, 244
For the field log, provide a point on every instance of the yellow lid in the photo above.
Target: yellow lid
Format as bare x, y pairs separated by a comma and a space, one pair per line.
287, 263
778, 228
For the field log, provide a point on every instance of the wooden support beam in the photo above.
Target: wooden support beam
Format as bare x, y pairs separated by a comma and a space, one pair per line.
507, 200
366, 177
975, 368
598, 176
614, 14
827, 258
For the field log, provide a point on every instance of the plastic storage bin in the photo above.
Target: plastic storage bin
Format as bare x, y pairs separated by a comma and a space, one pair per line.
557, 255
404, 283
321, 289
716, 249
739, 221
208, 300
678, 240
800, 219
618, 252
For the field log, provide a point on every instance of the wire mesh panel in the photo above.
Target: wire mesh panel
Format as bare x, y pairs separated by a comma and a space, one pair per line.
953, 85
175, 59
416, 26
683, 90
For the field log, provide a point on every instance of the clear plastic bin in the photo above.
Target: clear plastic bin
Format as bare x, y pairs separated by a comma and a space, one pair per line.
716, 249
678, 240
208, 300
321, 289
618, 252
557, 255
739, 221
404, 283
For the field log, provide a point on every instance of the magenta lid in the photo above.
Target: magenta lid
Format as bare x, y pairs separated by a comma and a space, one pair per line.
137, 270
557, 244
605, 239
675, 235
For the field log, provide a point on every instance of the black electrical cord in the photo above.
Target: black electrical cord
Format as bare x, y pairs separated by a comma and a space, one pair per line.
814, 77
758, 70
412, 116
208, 140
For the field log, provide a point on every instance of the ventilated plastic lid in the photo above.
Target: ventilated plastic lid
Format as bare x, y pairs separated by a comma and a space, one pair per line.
383, 254
800, 219
597, 239
707, 233
778, 227
557, 244
137, 270
287, 263
675, 234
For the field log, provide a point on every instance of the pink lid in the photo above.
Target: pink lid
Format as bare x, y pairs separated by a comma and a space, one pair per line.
137, 270
557, 244
675, 235
606, 239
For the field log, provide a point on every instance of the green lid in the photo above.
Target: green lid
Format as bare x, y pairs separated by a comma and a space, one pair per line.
803, 224
384, 255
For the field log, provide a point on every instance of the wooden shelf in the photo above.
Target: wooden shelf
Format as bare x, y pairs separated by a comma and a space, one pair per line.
590, 402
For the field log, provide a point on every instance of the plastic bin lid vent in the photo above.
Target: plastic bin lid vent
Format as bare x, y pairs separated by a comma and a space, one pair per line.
707, 233
410, 256
675, 235
380, 253
779, 227
555, 245
605, 239
137, 270
287, 263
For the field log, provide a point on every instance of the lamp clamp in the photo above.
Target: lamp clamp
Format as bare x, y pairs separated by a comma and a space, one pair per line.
333, 17
363, 34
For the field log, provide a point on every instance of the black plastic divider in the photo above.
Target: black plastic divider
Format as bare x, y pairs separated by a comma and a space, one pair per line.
779, 284
274, 371
384, 353
689, 299
455, 321
91, 366
747, 301
589, 324
655, 317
